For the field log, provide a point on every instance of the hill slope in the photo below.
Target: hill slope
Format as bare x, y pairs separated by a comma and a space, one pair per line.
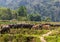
50, 8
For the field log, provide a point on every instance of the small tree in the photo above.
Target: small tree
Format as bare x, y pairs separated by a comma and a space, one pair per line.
47, 19
35, 17
9, 13
22, 11
6, 14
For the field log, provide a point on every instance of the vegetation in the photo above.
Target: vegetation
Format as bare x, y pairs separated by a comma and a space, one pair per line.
20, 14
28, 31
47, 8
35, 17
17, 38
22, 35
22, 11
46, 12
54, 37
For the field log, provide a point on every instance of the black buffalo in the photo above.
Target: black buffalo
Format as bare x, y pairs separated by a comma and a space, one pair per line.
27, 26
5, 29
56, 25
21, 26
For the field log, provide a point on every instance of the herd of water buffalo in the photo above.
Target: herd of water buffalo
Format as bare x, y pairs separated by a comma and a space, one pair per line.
6, 28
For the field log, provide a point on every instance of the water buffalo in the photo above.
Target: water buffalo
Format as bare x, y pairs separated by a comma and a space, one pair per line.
5, 28
56, 25
15, 25
27, 26
46, 26
21, 26
11, 25
38, 26
42, 26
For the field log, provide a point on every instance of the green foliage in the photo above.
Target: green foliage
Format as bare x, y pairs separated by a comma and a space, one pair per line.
54, 36
35, 17
22, 35
22, 11
53, 39
9, 13
21, 15
18, 38
48, 8
46, 19
5, 14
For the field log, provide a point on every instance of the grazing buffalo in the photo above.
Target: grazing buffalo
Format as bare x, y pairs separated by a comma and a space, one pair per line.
27, 26
45, 26
41, 26
21, 26
38, 26
56, 25
11, 25
5, 28
15, 25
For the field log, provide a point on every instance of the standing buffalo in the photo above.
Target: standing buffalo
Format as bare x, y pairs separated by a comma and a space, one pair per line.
21, 26
5, 28
42, 26
47, 27
56, 25
15, 25
27, 26
38, 26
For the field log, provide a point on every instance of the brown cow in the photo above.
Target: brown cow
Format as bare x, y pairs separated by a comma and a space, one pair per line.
47, 27
38, 26
56, 25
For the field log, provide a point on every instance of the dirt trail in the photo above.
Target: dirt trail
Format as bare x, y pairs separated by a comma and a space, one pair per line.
42, 37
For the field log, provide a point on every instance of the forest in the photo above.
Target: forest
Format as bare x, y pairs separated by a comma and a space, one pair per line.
45, 8
21, 14
48, 10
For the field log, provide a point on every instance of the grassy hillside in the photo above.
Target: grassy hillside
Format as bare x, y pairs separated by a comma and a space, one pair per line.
23, 35
54, 37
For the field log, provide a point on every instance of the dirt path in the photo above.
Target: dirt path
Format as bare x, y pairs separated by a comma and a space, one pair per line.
42, 37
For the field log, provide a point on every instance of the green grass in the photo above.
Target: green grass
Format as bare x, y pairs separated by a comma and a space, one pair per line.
8, 22
17, 38
29, 22
28, 31
21, 35
53, 38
